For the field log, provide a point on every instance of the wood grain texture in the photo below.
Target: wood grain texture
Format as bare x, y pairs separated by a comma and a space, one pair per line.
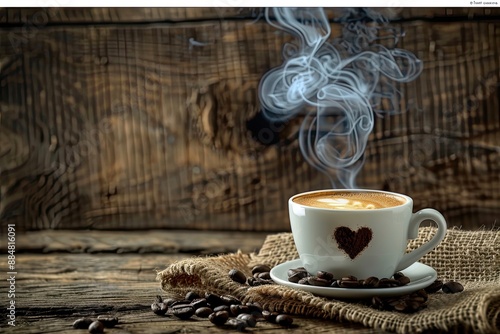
71, 286
139, 242
147, 126
141, 110
143, 321
57, 15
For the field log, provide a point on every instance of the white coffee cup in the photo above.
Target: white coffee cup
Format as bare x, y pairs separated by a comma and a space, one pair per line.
359, 232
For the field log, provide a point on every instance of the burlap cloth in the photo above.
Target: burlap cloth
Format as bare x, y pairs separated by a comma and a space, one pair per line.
470, 257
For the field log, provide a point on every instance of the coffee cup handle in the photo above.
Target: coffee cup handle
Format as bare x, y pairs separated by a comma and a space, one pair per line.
415, 221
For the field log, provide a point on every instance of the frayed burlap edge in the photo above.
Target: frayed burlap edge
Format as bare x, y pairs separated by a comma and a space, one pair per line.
473, 258
204, 274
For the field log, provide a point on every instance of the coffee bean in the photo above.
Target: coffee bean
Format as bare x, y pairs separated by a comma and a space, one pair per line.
378, 303
96, 327
334, 284
83, 323
316, 281
370, 282
392, 301
452, 287
348, 282
213, 299
110, 322
383, 283
417, 299
250, 319
264, 275
200, 302
398, 275
238, 324
244, 309
295, 277
169, 301
293, 271
262, 281
251, 280
191, 295
237, 276
434, 287
304, 281
414, 306
261, 268
203, 312
269, 316
403, 280
284, 320
155, 307
422, 293
400, 306
183, 311
324, 275
218, 318
234, 310
230, 300
180, 302
392, 282
256, 282
159, 308
387, 283
254, 309
345, 282
221, 308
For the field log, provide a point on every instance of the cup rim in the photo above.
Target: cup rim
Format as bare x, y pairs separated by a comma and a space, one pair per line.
409, 200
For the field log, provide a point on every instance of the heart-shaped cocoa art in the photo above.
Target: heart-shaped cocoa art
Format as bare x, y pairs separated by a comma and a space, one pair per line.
352, 242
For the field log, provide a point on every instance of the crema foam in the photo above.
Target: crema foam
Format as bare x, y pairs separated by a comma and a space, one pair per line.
350, 200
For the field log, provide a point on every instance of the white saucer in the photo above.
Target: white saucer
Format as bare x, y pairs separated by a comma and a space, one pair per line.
420, 275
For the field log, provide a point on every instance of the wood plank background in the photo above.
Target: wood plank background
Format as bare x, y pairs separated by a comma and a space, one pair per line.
149, 118
42, 16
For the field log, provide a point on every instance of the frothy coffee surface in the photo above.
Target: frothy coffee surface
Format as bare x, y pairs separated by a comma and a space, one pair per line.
350, 200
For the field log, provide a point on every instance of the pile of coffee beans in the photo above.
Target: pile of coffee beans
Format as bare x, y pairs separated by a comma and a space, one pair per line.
327, 279
406, 303
260, 276
221, 310
416, 300
96, 326
448, 287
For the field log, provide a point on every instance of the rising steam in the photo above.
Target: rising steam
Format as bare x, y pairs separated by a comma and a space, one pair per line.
340, 85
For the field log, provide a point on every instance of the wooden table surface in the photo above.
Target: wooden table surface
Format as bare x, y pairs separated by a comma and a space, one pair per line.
65, 275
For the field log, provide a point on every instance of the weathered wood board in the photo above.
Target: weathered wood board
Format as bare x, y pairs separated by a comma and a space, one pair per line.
55, 15
56, 288
140, 242
135, 126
